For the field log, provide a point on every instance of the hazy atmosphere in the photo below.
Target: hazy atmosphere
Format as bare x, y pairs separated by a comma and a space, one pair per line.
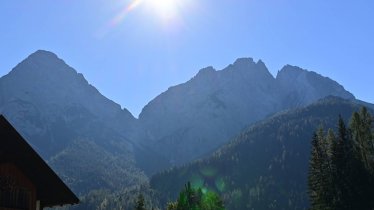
133, 50
186, 105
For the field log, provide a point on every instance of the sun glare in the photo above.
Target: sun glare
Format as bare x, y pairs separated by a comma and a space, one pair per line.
166, 9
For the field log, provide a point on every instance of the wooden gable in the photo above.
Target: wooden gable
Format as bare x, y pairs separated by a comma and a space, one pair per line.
29, 178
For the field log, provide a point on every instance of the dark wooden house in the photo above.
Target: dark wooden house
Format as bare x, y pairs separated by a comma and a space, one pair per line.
26, 181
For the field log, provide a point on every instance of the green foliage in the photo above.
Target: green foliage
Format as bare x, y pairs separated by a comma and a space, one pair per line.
341, 166
172, 206
195, 199
211, 201
361, 126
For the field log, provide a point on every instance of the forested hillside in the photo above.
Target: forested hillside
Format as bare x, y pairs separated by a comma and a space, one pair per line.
266, 166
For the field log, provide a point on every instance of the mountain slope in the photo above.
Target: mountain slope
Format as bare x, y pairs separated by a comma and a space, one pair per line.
301, 87
191, 119
69, 122
266, 166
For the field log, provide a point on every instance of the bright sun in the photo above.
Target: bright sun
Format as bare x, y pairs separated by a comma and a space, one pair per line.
166, 9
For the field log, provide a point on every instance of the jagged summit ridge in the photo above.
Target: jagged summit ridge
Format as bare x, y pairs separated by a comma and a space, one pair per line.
207, 70
192, 118
243, 62
241, 69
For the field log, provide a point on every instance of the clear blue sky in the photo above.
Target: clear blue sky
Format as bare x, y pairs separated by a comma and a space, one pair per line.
133, 55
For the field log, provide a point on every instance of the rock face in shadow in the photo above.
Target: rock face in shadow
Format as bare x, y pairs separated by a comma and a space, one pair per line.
301, 87
191, 119
88, 139
58, 111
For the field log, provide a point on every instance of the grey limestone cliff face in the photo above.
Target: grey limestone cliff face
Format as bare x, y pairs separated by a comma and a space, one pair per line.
301, 87
189, 120
43, 90
56, 109
193, 118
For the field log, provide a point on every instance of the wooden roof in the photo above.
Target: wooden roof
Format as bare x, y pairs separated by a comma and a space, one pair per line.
51, 190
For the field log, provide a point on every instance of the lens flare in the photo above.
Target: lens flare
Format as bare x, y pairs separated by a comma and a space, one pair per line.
196, 181
169, 12
208, 171
119, 17
220, 184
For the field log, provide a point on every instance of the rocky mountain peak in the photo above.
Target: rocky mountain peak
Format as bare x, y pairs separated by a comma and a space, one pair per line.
290, 72
243, 62
303, 87
44, 68
43, 54
43, 61
260, 63
242, 68
206, 71
45, 80
248, 64
249, 70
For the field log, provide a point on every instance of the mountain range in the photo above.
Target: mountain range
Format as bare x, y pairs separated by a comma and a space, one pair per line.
200, 115
93, 144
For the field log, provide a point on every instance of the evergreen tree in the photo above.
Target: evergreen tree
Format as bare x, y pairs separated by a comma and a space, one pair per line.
323, 172
316, 172
329, 171
341, 170
140, 203
195, 199
362, 137
341, 155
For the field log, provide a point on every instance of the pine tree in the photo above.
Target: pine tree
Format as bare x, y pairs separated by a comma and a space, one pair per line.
316, 172
330, 172
140, 203
341, 170
362, 170
341, 154
362, 137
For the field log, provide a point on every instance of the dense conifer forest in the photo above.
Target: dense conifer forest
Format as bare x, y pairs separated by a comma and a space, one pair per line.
341, 171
